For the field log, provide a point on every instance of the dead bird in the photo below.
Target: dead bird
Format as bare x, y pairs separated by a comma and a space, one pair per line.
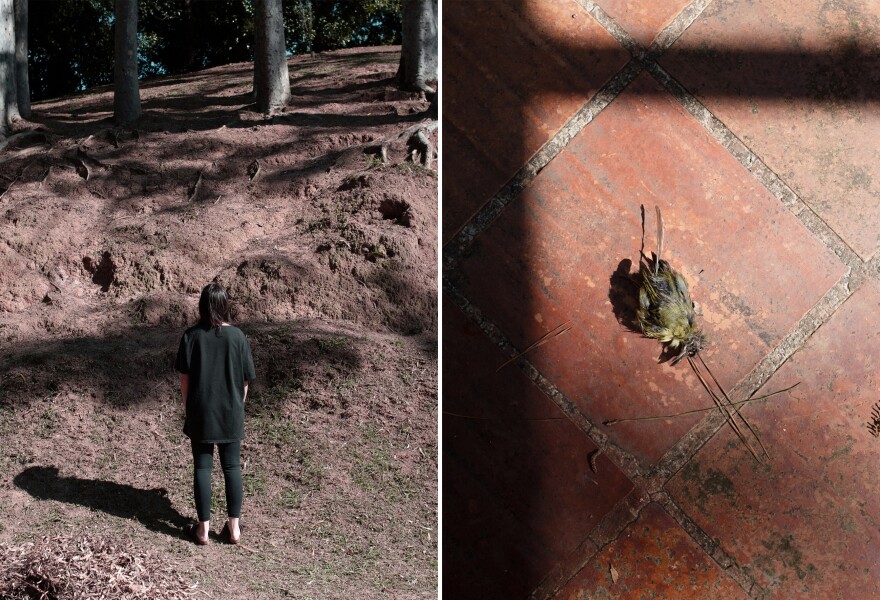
666, 311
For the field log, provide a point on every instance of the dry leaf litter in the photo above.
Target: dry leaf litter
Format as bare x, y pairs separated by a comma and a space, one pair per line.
68, 568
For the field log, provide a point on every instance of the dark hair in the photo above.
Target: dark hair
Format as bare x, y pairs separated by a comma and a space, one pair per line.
213, 305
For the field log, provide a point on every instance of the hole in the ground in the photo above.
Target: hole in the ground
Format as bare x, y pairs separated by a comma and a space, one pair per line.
394, 208
103, 273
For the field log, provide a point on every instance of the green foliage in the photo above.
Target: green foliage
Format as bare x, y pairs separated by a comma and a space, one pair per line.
70, 45
177, 37
71, 41
345, 23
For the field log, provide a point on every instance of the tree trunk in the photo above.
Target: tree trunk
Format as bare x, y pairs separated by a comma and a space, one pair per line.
8, 94
434, 108
126, 95
418, 57
190, 32
271, 79
21, 58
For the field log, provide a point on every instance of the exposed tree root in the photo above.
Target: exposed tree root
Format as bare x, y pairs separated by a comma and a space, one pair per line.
196, 187
418, 145
34, 134
253, 170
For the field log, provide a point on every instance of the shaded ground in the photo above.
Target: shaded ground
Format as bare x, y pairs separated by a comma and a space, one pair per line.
330, 257
753, 126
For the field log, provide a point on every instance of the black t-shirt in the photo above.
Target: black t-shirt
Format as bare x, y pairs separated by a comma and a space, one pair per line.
218, 361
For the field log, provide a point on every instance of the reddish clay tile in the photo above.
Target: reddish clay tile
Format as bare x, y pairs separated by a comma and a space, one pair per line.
477, 176
515, 470
643, 20
798, 83
550, 256
808, 525
509, 86
653, 558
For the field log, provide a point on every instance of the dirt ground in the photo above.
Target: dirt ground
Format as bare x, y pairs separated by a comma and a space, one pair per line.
330, 255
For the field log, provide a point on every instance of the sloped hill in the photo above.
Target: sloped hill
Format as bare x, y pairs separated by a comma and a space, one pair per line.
329, 254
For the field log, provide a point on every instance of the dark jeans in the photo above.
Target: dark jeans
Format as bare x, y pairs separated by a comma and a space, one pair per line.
203, 463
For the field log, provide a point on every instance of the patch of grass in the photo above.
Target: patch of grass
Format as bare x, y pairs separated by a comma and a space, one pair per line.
280, 385
279, 432
292, 498
343, 387
332, 343
310, 472
48, 422
254, 483
376, 472
369, 472
319, 224
218, 496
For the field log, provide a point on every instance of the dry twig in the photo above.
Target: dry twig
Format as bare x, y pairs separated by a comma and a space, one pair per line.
556, 331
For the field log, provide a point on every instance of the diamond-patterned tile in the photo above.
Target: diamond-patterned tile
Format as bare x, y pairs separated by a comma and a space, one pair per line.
518, 491
550, 256
652, 558
643, 20
799, 83
808, 524
513, 74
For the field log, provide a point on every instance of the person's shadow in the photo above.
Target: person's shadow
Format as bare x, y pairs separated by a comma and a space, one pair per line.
152, 508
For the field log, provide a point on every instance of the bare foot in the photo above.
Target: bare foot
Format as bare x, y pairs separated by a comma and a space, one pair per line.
234, 530
202, 531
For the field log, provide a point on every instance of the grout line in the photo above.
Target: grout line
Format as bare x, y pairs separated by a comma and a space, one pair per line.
626, 462
609, 529
685, 449
724, 561
625, 512
758, 168
670, 34
620, 35
456, 248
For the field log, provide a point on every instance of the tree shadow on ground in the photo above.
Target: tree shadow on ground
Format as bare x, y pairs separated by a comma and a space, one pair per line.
137, 367
150, 507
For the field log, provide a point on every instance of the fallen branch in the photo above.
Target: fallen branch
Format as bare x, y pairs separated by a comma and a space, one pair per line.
24, 152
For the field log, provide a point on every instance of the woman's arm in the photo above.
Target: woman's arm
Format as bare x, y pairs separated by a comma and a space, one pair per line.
184, 388
246, 382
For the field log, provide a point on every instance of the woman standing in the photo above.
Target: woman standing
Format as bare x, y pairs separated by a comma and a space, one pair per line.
215, 365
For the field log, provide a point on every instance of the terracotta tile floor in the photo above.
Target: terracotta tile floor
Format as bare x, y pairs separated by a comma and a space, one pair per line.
755, 127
